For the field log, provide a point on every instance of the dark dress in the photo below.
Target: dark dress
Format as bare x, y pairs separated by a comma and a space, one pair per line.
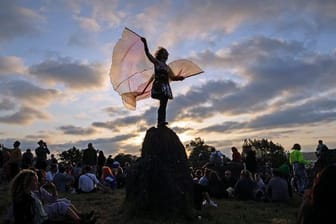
161, 88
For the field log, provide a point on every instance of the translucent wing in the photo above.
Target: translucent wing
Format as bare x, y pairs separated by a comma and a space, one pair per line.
131, 70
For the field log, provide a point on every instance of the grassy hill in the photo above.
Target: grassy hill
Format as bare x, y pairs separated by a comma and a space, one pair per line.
109, 207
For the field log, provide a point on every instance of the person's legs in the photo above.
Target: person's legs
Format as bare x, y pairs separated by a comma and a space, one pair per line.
162, 111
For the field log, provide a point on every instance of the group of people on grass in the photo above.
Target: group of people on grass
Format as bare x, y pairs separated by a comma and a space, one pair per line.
35, 185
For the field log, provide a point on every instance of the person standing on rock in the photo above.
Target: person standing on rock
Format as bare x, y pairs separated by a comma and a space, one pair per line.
162, 74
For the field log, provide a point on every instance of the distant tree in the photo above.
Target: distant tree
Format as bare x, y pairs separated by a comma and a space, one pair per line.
122, 158
72, 155
266, 151
199, 153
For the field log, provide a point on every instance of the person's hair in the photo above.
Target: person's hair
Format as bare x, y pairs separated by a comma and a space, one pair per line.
23, 202
159, 52
16, 143
297, 146
323, 191
234, 149
21, 182
106, 171
41, 175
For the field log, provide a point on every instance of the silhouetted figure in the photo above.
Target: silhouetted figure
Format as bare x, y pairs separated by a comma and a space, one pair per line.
236, 156
41, 155
27, 159
90, 157
162, 74
100, 163
251, 161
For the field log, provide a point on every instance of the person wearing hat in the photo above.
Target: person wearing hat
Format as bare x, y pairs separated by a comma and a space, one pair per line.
298, 164
41, 155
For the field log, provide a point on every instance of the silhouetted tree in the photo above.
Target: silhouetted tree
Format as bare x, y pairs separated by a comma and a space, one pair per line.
72, 155
122, 158
266, 151
199, 153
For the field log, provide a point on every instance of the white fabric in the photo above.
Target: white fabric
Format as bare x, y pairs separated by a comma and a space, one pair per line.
131, 70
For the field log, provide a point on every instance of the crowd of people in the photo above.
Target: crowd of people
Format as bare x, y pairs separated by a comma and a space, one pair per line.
37, 179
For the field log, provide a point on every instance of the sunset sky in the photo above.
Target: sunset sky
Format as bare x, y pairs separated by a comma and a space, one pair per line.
269, 72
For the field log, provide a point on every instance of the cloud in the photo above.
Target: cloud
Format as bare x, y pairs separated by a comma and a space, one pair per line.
88, 24
28, 93
75, 130
76, 75
16, 21
11, 65
25, 115
6, 104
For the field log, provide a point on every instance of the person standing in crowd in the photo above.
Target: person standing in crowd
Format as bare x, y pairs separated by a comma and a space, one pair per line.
53, 159
322, 155
298, 164
27, 159
100, 163
16, 158
90, 158
321, 147
236, 156
250, 161
41, 153
216, 158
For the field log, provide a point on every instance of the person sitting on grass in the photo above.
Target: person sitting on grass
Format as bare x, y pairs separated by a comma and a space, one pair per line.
88, 182
204, 182
245, 186
30, 203
277, 188
107, 178
56, 207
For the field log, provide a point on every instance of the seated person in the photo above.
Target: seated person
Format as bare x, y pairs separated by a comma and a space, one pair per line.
277, 188
204, 182
56, 207
107, 178
89, 183
245, 186
228, 183
62, 180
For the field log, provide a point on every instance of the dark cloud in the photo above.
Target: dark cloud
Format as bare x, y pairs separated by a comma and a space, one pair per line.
28, 93
17, 21
74, 74
25, 115
75, 130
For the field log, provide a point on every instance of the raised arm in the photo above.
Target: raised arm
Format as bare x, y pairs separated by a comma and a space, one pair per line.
148, 54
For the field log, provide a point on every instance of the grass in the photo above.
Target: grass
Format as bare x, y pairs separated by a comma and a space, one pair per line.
110, 208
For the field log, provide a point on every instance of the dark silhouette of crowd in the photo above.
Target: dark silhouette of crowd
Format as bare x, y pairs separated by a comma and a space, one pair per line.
37, 179
236, 178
